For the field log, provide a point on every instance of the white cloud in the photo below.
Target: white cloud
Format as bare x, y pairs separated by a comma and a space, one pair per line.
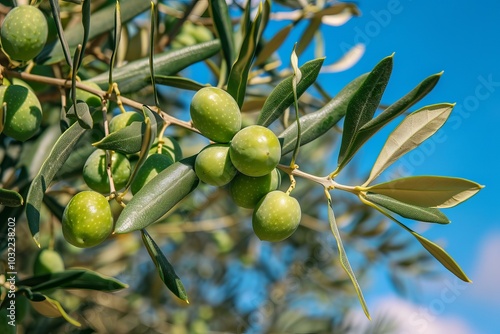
398, 316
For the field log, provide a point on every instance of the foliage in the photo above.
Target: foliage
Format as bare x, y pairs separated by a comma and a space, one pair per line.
107, 50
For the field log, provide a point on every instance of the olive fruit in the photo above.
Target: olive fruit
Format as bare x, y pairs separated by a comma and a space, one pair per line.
153, 165
170, 146
122, 120
94, 171
247, 191
87, 219
24, 33
276, 216
47, 261
255, 151
24, 112
92, 100
213, 165
216, 114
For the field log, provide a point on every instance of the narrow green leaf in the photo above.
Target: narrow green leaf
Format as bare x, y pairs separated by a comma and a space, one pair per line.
282, 96
100, 23
442, 256
157, 197
428, 191
308, 34
135, 75
362, 107
223, 29
297, 76
165, 269
127, 140
179, 82
52, 308
344, 261
81, 112
238, 76
54, 6
413, 130
86, 14
316, 124
273, 44
435, 250
245, 20
431, 215
152, 39
10, 198
117, 33
57, 156
73, 279
266, 13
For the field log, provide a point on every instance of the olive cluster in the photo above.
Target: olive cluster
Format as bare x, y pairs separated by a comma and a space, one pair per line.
246, 160
87, 219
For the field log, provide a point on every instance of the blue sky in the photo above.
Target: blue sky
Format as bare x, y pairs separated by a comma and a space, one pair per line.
463, 39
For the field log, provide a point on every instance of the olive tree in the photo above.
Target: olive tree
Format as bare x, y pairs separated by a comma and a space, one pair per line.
135, 178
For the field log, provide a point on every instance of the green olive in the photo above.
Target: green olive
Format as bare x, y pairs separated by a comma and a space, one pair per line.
247, 191
95, 175
122, 120
213, 165
153, 165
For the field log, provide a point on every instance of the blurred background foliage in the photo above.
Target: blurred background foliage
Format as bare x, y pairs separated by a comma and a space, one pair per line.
235, 282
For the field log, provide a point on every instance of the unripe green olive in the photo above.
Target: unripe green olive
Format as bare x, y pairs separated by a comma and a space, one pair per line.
247, 191
122, 120
213, 165
24, 112
24, 33
276, 216
94, 171
216, 114
87, 220
170, 147
47, 261
92, 100
255, 150
153, 165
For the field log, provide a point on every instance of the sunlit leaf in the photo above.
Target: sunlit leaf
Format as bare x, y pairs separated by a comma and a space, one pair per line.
409, 211
51, 308
58, 155
165, 269
238, 76
10, 198
413, 130
117, 33
316, 124
362, 107
344, 261
273, 44
282, 95
158, 196
428, 191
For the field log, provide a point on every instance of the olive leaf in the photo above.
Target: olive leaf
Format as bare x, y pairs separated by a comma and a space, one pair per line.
127, 140
238, 76
435, 250
297, 77
219, 13
413, 130
152, 39
428, 191
179, 82
86, 15
158, 196
362, 106
282, 96
308, 34
344, 261
57, 156
316, 124
273, 44
54, 6
73, 279
136, 74
165, 269
348, 60
52, 308
431, 215
10, 198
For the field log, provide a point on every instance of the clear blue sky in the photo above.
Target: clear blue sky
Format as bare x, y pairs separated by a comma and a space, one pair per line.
463, 39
